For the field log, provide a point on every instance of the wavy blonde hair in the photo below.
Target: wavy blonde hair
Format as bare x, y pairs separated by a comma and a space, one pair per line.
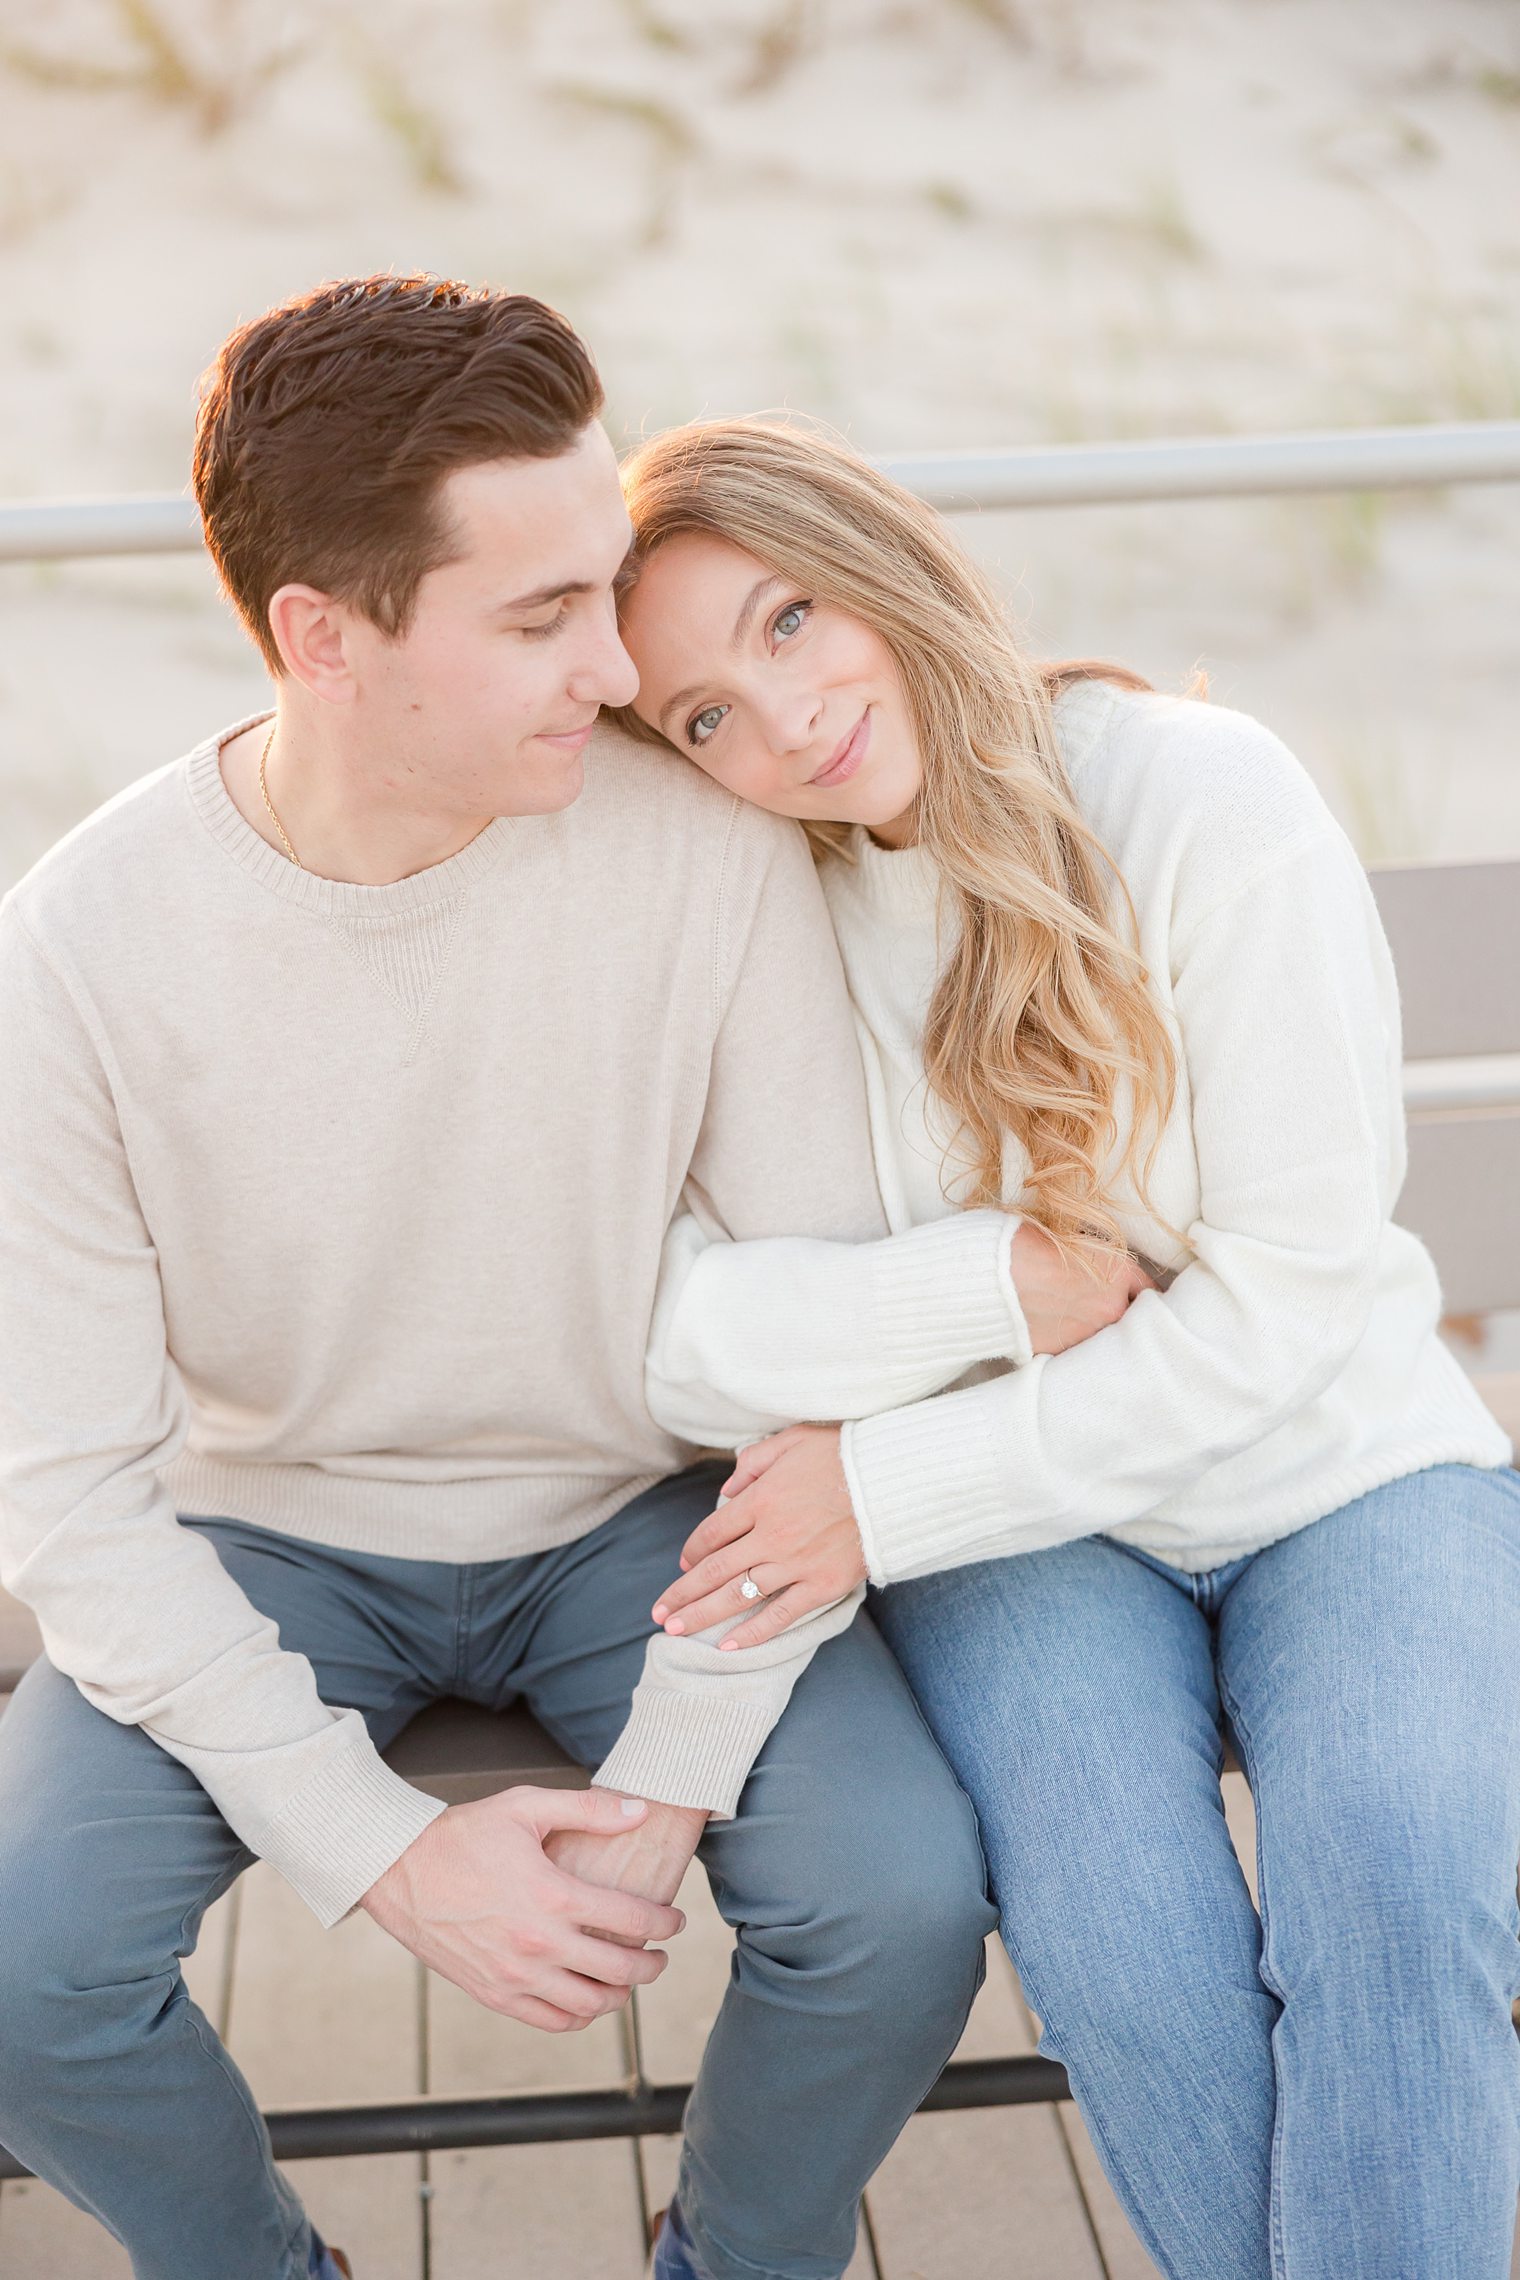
1042, 1023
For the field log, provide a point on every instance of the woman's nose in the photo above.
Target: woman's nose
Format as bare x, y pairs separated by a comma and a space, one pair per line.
791, 719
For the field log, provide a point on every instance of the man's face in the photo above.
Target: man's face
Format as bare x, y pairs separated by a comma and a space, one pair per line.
485, 704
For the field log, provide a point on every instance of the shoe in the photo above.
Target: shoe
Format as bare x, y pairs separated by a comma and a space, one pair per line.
342, 2263
328, 2263
674, 2257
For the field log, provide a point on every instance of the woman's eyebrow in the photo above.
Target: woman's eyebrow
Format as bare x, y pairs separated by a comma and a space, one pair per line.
747, 609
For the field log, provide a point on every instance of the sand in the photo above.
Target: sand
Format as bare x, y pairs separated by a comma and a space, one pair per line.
969, 223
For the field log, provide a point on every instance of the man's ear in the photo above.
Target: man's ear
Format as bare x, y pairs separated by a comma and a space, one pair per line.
310, 631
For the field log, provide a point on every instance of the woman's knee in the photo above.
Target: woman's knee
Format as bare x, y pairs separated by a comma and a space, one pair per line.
1398, 1903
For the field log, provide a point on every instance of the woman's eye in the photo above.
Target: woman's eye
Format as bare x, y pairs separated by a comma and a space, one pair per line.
701, 725
790, 620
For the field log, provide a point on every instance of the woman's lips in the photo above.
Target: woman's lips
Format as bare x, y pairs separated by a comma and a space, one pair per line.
848, 758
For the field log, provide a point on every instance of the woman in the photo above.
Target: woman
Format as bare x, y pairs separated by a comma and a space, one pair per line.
1117, 971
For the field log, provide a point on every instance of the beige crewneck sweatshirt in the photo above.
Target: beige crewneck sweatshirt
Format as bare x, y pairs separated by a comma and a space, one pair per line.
339, 1209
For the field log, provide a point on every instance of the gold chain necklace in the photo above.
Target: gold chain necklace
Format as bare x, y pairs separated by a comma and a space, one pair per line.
269, 803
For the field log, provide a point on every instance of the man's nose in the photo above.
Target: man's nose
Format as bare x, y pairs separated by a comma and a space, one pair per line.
606, 674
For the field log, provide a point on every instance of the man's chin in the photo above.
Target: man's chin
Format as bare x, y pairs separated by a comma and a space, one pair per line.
545, 790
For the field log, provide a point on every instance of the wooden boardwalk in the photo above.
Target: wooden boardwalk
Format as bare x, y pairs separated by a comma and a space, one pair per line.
346, 2014
1001, 2195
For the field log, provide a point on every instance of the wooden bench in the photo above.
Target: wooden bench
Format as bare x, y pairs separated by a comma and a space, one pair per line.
1455, 931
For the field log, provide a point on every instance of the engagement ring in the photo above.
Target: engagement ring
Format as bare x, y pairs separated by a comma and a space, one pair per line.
748, 1588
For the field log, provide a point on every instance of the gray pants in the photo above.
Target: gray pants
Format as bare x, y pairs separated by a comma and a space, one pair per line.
852, 1875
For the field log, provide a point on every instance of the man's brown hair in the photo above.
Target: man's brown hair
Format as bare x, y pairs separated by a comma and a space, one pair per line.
327, 425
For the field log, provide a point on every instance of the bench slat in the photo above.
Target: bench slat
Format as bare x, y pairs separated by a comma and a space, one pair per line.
1455, 933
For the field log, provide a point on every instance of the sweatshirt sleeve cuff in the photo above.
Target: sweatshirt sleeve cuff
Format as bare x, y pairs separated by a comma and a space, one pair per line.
927, 1485
687, 1749
344, 1827
947, 1289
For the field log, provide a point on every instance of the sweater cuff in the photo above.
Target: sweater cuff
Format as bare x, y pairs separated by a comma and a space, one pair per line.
687, 1749
344, 1828
927, 1485
946, 1289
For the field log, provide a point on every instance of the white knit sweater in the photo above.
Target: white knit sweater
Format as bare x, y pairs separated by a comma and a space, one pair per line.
1292, 1363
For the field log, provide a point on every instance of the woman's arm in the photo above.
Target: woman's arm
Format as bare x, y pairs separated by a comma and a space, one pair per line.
747, 1337
1288, 1015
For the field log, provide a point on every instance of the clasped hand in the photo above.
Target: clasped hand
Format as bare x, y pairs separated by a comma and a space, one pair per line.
786, 1519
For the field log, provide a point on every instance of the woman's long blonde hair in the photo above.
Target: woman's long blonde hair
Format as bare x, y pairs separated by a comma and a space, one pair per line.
1041, 1023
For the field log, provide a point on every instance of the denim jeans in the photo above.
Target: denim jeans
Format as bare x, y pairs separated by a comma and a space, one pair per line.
1330, 2091
851, 1873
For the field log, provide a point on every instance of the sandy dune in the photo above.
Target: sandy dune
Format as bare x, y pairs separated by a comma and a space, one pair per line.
971, 222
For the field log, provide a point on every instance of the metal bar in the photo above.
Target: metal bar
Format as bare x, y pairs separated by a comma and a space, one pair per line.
1108, 474
1490, 1080
433, 2125
50, 529
1062, 475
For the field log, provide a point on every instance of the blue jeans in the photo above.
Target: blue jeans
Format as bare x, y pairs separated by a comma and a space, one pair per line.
1330, 2091
851, 1873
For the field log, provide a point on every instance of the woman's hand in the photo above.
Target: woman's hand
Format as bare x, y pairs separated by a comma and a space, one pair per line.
1064, 1303
787, 1521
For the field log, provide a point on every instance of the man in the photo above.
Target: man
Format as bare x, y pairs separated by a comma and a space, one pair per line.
351, 1071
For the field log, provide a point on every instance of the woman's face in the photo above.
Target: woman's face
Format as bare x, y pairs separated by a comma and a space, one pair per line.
794, 705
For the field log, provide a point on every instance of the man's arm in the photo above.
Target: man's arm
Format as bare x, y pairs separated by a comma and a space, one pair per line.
153, 1630
136, 1609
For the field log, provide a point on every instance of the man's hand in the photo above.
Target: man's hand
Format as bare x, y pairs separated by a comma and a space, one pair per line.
477, 1899
1064, 1303
650, 1858
786, 1519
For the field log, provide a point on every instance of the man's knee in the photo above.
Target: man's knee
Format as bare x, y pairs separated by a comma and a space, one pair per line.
46, 1945
897, 1896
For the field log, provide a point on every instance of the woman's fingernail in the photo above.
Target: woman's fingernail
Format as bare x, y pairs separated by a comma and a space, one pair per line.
675, 1626
661, 1612
631, 1805
730, 1646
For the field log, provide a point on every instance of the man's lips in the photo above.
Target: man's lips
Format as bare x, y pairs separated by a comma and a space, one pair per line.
849, 755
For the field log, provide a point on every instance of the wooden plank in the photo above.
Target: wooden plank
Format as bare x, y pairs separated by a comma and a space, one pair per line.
318, 2016
44, 2237
520, 2212
675, 2015
975, 2196
970, 2196
525, 2212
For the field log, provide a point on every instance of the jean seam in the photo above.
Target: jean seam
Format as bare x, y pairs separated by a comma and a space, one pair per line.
214, 1891
1270, 1980
216, 2051
464, 1611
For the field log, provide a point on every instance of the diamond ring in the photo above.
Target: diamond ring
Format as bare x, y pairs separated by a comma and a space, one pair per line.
748, 1588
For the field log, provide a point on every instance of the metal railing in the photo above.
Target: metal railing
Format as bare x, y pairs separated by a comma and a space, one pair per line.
959, 482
